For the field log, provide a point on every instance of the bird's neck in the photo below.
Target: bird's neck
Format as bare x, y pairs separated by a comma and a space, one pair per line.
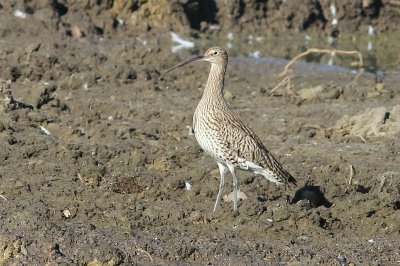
214, 90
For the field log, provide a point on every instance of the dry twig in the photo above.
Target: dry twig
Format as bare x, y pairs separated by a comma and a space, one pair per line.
284, 82
360, 62
80, 178
351, 175
352, 172
362, 138
313, 126
357, 76
147, 253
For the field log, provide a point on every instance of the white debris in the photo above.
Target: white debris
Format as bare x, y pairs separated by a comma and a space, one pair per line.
250, 38
45, 130
110, 117
181, 43
214, 27
255, 54
332, 7
335, 21
371, 30
331, 40
370, 46
188, 186
190, 130
67, 213
85, 86
229, 36
303, 238
19, 14
229, 45
371, 241
120, 22
144, 42
330, 62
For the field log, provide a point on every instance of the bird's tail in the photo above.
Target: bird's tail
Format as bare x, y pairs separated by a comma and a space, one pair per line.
282, 175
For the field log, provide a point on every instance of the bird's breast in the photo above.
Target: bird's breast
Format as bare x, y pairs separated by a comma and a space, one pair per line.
206, 130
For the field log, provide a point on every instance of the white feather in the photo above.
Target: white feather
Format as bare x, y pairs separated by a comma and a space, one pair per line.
256, 169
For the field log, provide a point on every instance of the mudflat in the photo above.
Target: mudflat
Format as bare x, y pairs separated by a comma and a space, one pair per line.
98, 166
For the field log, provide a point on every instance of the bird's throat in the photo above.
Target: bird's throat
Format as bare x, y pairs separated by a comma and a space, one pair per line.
214, 89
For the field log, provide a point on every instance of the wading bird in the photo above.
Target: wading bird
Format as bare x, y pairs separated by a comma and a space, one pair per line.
221, 134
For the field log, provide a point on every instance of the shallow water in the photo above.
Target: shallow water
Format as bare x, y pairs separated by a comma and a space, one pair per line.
379, 51
317, 67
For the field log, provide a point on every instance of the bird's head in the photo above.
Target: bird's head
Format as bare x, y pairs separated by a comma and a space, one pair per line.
214, 55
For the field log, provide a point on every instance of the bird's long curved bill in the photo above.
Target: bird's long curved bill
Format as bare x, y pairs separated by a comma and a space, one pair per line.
194, 59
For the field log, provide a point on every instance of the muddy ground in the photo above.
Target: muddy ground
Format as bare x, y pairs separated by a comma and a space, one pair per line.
95, 153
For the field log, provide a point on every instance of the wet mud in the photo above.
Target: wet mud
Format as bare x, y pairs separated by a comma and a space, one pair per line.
98, 166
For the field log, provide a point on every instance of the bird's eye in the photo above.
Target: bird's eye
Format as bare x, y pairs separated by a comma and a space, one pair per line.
215, 53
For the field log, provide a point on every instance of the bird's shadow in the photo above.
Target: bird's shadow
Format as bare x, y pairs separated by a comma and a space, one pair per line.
313, 194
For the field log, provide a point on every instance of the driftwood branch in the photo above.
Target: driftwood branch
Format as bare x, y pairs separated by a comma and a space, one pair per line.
360, 62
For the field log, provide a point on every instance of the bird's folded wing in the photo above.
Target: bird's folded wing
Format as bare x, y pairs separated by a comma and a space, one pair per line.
243, 143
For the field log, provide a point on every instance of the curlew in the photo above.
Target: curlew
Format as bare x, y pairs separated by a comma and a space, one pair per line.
221, 134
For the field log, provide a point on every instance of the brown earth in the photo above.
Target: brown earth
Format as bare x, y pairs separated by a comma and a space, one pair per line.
95, 151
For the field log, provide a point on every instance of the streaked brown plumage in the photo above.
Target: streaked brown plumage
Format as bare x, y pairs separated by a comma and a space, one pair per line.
221, 134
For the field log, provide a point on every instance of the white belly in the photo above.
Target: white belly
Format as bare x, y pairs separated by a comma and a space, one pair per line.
208, 139
205, 142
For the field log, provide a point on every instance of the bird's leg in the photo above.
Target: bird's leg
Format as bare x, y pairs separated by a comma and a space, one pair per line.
235, 185
222, 169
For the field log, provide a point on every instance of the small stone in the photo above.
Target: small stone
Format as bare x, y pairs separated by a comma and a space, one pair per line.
380, 86
330, 91
195, 216
281, 214
33, 47
228, 95
160, 164
136, 158
229, 198
372, 94
76, 32
310, 93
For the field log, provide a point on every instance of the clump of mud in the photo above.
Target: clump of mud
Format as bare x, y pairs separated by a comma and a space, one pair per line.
378, 121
